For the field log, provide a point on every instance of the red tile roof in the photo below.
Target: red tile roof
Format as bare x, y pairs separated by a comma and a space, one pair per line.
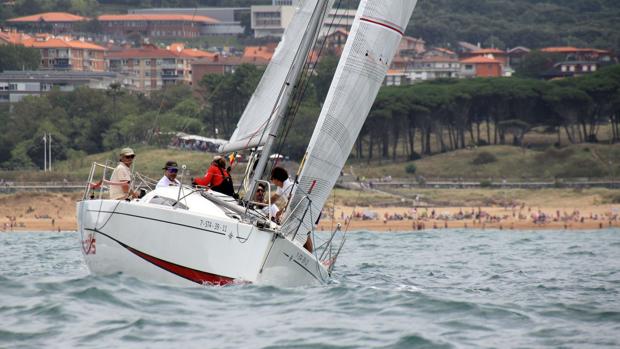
570, 49
13, 37
396, 72
444, 50
49, 17
48, 41
179, 48
262, 52
480, 60
157, 17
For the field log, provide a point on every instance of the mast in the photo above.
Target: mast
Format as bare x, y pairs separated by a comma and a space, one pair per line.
281, 108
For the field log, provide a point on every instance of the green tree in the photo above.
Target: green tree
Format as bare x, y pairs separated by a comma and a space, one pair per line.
19, 58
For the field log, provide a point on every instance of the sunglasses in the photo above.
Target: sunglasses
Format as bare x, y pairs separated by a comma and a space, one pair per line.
260, 190
129, 156
173, 170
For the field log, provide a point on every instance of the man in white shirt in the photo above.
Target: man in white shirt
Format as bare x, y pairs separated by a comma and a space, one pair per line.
170, 175
121, 177
284, 185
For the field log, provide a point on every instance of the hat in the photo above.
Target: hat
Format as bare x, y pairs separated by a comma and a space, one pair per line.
217, 157
170, 164
127, 152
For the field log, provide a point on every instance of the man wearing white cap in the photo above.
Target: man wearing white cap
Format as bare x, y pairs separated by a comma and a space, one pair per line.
119, 181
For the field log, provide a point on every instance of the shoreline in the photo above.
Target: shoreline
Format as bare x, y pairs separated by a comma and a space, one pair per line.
55, 212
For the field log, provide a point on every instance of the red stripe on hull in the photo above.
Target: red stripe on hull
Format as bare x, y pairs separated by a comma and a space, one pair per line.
399, 31
194, 275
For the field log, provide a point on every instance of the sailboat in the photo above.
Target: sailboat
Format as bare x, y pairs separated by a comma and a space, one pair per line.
187, 236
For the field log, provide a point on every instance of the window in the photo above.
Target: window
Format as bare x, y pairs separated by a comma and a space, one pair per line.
164, 201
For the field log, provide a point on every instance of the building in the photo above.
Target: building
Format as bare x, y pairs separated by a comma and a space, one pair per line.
335, 41
228, 18
516, 55
480, 66
156, 25
270, 20
434, 67
573, 68
494, 53
49, 22
439, 52
150, 68
15, 85
411, 47
338, 19
396, 77
65, 53
580, 54
405, 70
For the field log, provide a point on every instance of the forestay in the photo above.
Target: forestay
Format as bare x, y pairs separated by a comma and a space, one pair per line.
256, 117
375, 35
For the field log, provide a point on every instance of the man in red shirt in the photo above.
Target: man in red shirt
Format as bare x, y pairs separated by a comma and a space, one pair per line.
217, 178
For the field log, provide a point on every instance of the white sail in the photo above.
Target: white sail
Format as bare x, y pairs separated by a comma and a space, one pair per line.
372, 43
257, 114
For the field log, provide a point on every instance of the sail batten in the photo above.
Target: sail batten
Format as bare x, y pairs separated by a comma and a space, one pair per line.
375, 35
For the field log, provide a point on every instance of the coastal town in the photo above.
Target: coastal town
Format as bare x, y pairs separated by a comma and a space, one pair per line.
138, 50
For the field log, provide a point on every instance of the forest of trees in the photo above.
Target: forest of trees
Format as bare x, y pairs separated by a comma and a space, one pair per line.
461, 113
492, 23
411, 120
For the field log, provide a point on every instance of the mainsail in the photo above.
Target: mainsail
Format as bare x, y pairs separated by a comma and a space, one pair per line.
375, 35
267, 98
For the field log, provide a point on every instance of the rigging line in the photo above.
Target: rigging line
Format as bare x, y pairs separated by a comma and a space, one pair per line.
299, 97
277, 106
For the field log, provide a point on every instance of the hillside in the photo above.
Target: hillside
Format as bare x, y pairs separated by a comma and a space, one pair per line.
506, 162
505, 24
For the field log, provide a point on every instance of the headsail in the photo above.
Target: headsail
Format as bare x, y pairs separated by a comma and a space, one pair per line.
373, 40
257, 114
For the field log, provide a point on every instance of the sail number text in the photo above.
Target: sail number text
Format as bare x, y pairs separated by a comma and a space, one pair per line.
215, 226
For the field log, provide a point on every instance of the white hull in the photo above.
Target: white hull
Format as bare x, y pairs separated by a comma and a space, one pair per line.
197, 243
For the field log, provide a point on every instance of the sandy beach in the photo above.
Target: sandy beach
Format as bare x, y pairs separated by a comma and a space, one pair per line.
42, 212
503, 218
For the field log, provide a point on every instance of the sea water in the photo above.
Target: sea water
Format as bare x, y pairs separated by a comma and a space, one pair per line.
434, 289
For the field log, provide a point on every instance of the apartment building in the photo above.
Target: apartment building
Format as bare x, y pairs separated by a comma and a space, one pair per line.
155, 25
150, 68
228, 18
66, 53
